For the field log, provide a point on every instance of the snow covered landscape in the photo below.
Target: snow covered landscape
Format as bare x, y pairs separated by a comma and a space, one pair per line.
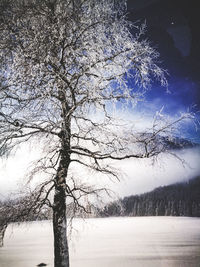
127, 242
99, 119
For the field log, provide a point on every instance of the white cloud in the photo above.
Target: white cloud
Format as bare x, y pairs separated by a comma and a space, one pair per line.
142, 176
13, 169
137, 175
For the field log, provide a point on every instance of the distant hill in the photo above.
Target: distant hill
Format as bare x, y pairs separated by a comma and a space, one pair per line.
155, 143
179, 143
181, 199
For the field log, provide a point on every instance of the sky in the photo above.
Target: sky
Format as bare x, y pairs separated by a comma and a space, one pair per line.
172, 30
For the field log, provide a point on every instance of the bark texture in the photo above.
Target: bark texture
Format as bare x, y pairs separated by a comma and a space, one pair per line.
2, 232
61, 252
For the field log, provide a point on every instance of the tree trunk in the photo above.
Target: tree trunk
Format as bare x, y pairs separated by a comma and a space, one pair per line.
61, 252
2, 232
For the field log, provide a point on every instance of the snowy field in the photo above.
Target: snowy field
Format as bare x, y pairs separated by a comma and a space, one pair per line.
108, 242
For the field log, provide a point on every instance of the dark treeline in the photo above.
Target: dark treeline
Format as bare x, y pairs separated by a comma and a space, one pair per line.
181, 199
174, 200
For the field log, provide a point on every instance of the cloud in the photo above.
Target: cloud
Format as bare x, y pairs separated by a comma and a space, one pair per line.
142, 176
13, 169
137, 175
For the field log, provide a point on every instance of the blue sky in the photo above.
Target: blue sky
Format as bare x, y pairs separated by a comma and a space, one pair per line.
172, 29
174, 101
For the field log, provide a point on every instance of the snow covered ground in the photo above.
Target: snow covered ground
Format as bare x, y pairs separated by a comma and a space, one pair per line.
108, 242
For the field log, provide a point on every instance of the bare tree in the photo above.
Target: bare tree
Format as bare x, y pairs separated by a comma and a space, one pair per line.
64, 70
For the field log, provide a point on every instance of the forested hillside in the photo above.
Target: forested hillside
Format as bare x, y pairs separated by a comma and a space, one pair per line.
173, 200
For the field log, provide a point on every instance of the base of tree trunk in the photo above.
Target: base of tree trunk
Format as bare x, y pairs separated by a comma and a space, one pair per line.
61, 251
